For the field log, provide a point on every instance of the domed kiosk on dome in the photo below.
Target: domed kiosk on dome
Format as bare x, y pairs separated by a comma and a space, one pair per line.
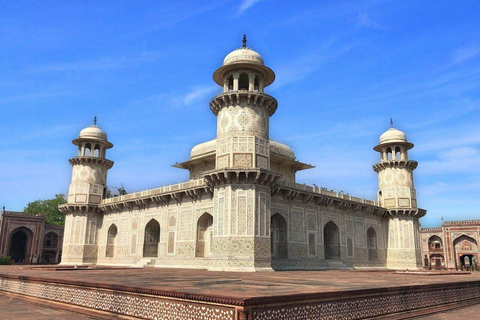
228, 75
241, 207
393, 136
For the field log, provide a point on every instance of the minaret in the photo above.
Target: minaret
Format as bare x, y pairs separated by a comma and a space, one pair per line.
243, 110
242, 180
397, 194
86, 192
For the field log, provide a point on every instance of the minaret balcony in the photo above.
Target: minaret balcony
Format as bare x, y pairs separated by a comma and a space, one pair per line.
91, 160
408, 164
242, 175
243, 97
408, 212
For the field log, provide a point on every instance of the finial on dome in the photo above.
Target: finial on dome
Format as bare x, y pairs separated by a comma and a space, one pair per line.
391, 123
95, 121
244, 41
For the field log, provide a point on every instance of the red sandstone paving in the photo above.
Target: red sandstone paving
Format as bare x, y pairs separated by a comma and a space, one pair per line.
467, 313
11, 308
238, 285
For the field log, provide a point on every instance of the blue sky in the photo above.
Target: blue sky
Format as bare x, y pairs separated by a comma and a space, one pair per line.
145, 70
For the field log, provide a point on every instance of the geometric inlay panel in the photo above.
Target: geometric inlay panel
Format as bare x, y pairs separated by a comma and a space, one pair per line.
146, 307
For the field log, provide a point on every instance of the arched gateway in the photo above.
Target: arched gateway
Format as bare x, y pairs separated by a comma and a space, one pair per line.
20, 243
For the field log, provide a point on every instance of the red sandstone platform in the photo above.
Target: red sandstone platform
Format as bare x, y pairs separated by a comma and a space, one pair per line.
154, 293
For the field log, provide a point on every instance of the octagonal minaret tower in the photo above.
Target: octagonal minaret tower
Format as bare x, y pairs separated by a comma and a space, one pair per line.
86, 192
397, 194
243, 110
242, 179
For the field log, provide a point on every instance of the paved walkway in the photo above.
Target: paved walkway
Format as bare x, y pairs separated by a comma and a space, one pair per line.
11, 308
238, 285
472, 313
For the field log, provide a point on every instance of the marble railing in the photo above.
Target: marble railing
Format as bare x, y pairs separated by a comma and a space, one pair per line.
201, 183
325, 192
170, 188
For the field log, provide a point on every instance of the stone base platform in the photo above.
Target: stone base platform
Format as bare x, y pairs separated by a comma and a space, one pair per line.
154, 293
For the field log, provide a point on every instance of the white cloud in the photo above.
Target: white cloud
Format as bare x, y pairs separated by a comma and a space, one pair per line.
458, 160
42, 132
366, 21
102, 63
454, 137
302, 66
44, 94
465, 53
198, 93
246, 4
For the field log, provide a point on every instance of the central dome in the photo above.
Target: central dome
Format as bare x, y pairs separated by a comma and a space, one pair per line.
243, 55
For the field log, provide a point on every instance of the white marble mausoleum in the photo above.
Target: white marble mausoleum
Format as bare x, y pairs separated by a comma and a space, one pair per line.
242, 208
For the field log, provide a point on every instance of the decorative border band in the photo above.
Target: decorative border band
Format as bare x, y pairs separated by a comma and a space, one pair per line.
120, 302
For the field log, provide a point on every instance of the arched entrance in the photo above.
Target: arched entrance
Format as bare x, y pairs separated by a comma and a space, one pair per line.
204, 236
331, 237
20, 243
372, 244
112, 234
152, 238
467, 261
466, 249
278, 236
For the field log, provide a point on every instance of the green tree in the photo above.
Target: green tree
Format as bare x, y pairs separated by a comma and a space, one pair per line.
49, 209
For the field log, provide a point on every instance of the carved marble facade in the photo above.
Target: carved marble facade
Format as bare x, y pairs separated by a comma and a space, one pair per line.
242, 209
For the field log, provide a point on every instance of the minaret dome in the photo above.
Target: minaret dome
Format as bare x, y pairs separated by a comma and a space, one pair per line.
393, 145
243, 69
92, 141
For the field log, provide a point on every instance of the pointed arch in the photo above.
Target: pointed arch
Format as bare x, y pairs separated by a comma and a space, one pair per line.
20, 247
278, 237
331, 236
435, 243
389, 154
464, 246
172, 222
96, 151
151, 239
50, 240
204, 236
88, 150
111, 237
398, 153
372, 244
